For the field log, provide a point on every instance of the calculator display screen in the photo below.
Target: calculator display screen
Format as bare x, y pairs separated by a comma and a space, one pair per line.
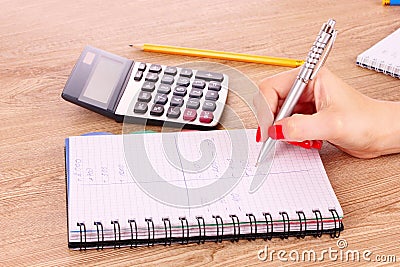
103, 80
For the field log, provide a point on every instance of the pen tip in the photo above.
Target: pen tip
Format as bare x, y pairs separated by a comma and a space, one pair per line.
137, 46
131, 45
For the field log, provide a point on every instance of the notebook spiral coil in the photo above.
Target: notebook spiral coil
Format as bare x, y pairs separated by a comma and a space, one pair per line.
379, 66
183, 232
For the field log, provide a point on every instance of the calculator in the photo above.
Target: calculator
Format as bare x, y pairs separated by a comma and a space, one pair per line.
122, 88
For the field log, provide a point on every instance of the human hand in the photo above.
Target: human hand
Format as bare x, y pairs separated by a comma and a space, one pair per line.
331, 110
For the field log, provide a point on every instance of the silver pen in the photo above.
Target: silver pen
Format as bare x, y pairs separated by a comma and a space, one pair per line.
315, 59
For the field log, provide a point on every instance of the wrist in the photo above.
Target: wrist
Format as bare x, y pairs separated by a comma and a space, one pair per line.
388, 129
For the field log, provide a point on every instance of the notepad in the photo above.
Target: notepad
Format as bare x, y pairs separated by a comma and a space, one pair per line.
162, 188
384, 56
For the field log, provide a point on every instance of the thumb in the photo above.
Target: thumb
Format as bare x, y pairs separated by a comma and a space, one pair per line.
300, 127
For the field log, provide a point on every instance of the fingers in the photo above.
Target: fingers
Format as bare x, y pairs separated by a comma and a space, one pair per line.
318, 126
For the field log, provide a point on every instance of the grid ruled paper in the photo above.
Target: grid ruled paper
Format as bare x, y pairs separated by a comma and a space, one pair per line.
102, 186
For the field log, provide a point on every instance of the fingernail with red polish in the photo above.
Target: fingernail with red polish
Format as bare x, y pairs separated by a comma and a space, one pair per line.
275, 132
305, 144
258, 134
317, 144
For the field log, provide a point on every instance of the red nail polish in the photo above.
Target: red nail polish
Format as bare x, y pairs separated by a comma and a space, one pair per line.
275, 132
258, 134
317, 144
305, 144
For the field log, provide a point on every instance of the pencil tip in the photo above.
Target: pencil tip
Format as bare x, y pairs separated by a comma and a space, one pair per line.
137, 46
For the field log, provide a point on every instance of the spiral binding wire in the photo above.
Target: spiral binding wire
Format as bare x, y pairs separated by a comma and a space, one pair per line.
236, 224
320, 224
269, 225
286, 225
184, 240
336, 219
256, 229
380, 66
82, 225
219, 237
98, 235
253, 221
165, 220
132, 221
116, 225
150, 241
202, 237
302, 218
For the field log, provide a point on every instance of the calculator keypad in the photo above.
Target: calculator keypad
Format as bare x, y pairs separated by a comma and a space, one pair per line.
174, 94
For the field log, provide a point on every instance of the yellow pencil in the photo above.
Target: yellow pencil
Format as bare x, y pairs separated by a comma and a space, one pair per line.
286, 62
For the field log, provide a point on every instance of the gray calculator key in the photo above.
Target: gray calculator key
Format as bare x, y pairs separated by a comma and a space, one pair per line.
180, 91
209, 76
157, 110
151, 77
209, 106
183, 81
138, 75
164, 89
199, 84
140, 107
212, 95
144, 96
148, 86
161, 99
173, 112
215, 86
196, 93
155, 68
142, 66
177, 101
193, 103
186, 73
167, 79
170, 71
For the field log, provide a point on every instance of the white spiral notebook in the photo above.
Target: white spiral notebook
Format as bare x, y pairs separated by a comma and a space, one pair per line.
384, 56
146, 189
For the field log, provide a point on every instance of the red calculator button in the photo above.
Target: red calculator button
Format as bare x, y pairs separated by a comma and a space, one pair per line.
206, 116
189, 114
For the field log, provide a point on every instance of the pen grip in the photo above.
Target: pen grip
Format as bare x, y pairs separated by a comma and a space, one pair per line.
291, 99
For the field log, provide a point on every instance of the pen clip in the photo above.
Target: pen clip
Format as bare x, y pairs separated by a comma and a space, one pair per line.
325, 55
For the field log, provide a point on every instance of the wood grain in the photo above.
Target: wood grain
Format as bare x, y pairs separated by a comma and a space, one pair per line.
40, 42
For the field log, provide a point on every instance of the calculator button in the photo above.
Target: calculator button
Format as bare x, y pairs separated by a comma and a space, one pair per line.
173, 112
164, 89
161, 99
170, 71
189, 114
140, 107
157, 110
180, 91
209, 106
186, 73
206, 117
138, 75
199, 84
212, 95
142, 66
155, 68
148, 86
183, 81
144, 96
215, 86
193, 103
167, 79
176, 101
151, 77
209, 76
196, 93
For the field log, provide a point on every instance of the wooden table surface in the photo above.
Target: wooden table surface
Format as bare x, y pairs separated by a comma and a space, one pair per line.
41, 40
